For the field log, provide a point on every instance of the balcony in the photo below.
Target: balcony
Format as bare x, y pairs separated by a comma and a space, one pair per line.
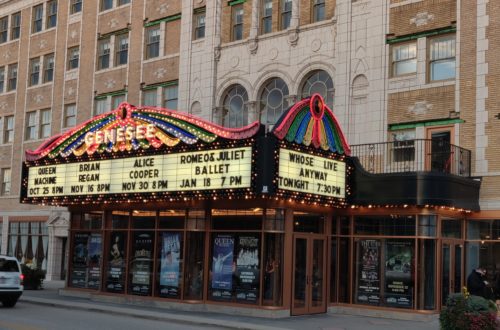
413, 156
414, 172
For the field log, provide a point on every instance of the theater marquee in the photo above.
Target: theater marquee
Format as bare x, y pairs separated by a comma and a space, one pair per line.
305, 173
189, 171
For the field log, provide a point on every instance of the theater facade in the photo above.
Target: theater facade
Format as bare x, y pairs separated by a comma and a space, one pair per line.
169, 209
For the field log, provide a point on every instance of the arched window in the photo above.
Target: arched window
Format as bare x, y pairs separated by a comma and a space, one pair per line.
320, 82
272, 101
235, 107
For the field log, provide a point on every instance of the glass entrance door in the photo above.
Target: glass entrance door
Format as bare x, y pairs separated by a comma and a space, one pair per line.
309, 275
451, 272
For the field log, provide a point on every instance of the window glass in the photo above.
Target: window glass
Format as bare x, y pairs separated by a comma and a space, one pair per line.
308, 223
106, 4
451, 228
273, 270
119, 219
2, 79
272, 101
46, 116
116, 262
286, 13
6, 183
235, 106
12, 77
48, 67
31, 126
403, 146
76, 6
172, 219
318, 10
170, 95
320, 82
37, 18
103, 54
442, 58
427, 225
143, 219
121, 49
116, 100
427, 274
274, 220
195, 251
73, 58
141, 263
101, 106
237, 219
8, 131
404, 59
149, 97
153, 41
394, 225
267, 16
237, 22
344, 276
170, 264
4, 28
86, 261
196, 219
15, 26
70, 115
51, 14
34, 71
199, 30
480, 229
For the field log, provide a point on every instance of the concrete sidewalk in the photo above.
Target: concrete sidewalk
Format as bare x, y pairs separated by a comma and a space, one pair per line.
50, 296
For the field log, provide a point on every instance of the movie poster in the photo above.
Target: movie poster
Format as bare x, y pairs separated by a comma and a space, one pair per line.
398, 273
170, 264
247, 269
116, 262
141, 263
368, 290
95, 253
222, 266
80, 260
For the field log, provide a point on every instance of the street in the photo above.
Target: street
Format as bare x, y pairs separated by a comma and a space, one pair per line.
26, 316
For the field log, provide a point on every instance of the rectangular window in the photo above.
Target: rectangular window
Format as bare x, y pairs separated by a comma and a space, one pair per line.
199, 29
117, 99
15, 23
4, 28
170, 97
101, 106
267, 16
12, 77
237, 16
404, 59
2, 79
8, 129
46, 116
286, 14
121, 48
73, 58
123, 2
442, 58
404, 146
318, 10
70, 115
153, 42
76, 6
31, 126
34, 71
37, 19
5, 181
103, 54
149, 98
48, 68
51, 14
106, 4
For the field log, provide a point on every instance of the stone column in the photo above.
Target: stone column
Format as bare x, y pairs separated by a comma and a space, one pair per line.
253, 111
58, 226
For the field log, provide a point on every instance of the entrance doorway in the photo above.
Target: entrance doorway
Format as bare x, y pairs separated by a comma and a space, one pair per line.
451, 272
440, 156
309, 274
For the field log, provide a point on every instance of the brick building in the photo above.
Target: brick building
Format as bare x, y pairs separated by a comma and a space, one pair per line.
411, 82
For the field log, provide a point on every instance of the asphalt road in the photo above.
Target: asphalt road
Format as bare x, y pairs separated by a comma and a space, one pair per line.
25, 316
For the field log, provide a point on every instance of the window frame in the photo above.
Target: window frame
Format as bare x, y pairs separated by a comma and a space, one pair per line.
15, 30
37, 22
394, 62
51, 10
431, 61
267, 16
2, 79
103, 53
199, 29
34, 71
73, 61
44, 124
103, 6
12, 77
31, 127
69, 116
120, 97
76, 6
48, 67
166, 99
237, 11
150, 91
8, 130
100, 101
4, 29
285, 14
149, 43
6, 185
317, 4
119, 52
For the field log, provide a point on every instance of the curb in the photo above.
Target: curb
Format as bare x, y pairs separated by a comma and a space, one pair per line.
194, 320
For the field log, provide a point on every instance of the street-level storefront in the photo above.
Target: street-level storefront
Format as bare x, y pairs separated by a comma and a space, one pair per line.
167, 208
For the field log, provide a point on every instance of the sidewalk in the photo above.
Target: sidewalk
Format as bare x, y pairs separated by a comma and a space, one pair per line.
49, 296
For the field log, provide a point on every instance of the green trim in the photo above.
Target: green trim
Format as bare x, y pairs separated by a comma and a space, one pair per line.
166, 19
200, 10
439, 122
106, 35
414, 36
235, 2
103, 96
165, 84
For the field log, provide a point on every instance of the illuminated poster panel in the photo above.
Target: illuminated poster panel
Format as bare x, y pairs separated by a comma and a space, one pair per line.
189, 171
305, 173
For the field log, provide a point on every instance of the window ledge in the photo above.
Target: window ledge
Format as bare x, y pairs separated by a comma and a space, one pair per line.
9, 42
8, 144
43, 31
39, 85
114, 8
159, 58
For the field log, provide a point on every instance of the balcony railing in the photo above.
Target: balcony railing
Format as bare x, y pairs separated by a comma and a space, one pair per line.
413, 156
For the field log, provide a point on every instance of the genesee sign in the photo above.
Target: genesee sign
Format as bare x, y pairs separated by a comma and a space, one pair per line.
301, 172
189, 171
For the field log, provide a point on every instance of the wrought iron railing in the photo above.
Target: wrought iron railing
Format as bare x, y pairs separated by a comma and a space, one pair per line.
413, 156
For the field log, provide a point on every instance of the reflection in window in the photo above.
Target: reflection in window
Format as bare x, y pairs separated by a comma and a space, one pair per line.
286, 14
235, 107
404, 146
318, 10
319, 82
237, 22
404, 59
267, 16
442, 58
272, 101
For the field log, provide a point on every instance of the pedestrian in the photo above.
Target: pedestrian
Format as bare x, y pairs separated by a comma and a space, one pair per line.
477, 284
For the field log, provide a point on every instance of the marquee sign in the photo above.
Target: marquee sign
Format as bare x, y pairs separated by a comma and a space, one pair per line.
305, 173
189, 171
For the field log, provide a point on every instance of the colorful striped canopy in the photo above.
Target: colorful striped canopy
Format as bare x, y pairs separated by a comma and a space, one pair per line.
171, 128
311, 122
